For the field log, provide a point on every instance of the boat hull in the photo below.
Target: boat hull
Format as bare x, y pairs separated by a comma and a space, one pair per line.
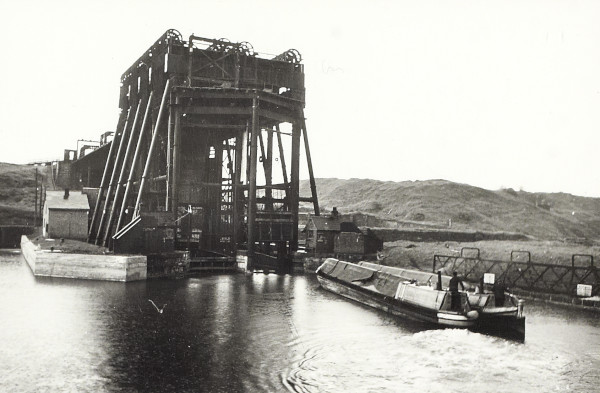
509, 326
502, 321
394, 306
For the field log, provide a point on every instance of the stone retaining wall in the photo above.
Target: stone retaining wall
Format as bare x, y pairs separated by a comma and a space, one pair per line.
83, 266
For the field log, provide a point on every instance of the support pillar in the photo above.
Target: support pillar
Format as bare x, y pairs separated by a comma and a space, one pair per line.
295, 183
134, 163
121, 175
252, 184
313, 185
176, 160
92, 233
238, 191
112, 178
269, 171
169, 158
283, 167
136, 211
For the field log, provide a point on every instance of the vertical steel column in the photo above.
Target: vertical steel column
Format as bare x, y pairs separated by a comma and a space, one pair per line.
190, 59
112, 178
103, 181
134, 163
252, 183
246, 158
269, 171
283, 167
237, 185
35, 204
313, 186
136, 211
121, 175
295, 183
176, 147
236, 81
169, 158
42, 200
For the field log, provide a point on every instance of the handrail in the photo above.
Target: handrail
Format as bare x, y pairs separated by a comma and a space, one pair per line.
582, 255
545, 277
522, 252
470, 249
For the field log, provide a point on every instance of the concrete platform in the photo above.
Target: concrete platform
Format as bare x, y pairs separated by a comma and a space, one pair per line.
83, 266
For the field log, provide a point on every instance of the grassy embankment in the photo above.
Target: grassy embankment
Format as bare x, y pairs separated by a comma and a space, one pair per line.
558, 224
17, 194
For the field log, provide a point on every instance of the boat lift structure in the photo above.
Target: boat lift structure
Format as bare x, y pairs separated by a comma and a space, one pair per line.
207, 145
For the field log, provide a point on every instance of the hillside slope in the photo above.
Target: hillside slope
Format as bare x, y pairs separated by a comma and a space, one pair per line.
427, 204
17, 194
433, 203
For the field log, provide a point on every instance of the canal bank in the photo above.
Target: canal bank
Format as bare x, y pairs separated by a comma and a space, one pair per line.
67, 258
55, 263
587, 303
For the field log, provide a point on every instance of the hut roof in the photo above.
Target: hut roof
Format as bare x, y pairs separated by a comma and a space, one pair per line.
328, 223
75, 201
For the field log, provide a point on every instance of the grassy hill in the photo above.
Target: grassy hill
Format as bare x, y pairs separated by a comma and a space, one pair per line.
17, 194
433, 203
418, 204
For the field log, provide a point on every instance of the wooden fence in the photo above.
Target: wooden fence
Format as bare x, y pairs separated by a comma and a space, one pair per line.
521, 273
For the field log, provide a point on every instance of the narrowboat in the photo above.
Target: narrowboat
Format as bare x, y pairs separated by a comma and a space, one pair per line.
500, 312
417, 295
397, 295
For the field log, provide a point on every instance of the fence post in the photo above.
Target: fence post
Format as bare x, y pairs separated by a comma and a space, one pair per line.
591, 268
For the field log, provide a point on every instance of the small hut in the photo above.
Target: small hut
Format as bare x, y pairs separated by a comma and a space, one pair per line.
322, 230
357, 245
66, 215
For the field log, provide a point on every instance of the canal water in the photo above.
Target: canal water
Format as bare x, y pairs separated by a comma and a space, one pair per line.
265, 333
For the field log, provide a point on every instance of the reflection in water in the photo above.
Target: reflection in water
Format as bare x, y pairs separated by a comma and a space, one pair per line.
265, 333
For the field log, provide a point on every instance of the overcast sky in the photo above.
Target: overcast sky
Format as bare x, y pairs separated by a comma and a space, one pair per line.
489, 93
